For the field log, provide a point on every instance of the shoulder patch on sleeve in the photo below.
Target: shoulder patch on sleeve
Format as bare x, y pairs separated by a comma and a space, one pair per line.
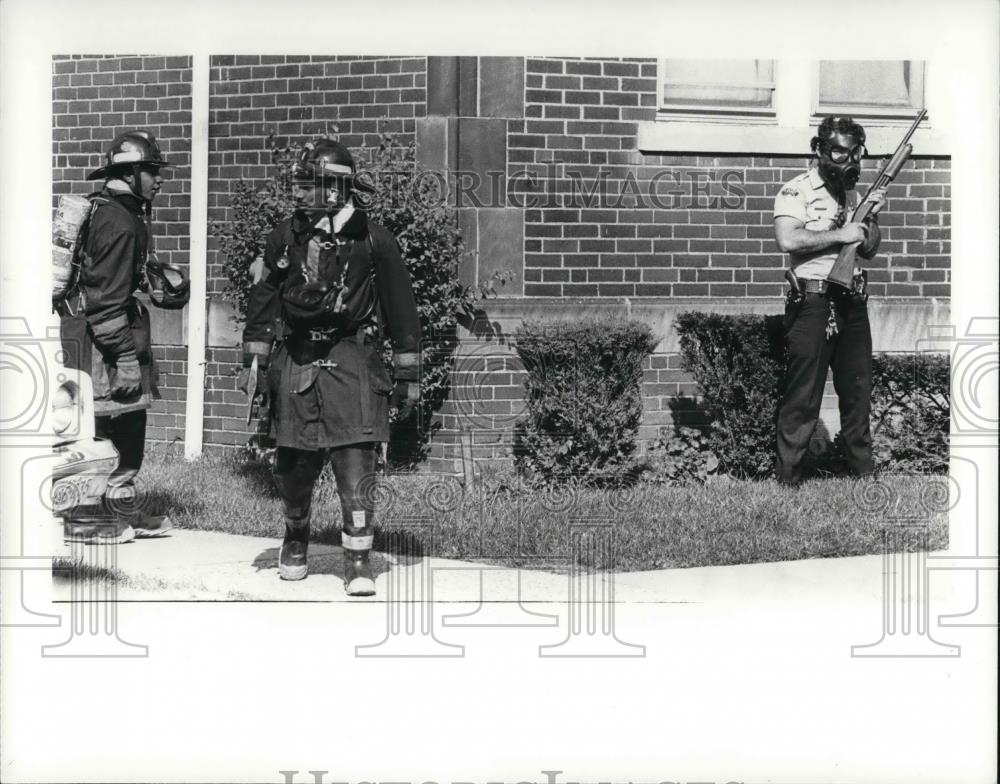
789, 191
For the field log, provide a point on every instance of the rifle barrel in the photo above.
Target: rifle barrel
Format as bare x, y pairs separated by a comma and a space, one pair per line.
881, 180
916, 122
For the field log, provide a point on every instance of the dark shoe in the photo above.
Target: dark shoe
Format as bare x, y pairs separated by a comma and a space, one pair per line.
97, 530
358, 579
292, 561
147, 525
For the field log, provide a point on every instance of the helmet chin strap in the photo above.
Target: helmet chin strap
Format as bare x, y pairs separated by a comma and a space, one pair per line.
334, 203
136, 184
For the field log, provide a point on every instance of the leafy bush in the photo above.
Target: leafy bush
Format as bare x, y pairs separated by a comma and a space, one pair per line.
684, 455
738, 363
911, 411
412, 207
254, 213
584, 398
409, 203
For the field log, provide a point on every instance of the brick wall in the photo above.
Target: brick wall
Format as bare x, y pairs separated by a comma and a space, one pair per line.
678, 225
296, 98
165, 420
708, 237
96, 97
688, 226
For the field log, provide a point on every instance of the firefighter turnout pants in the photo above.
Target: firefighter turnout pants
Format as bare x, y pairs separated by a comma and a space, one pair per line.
296, 471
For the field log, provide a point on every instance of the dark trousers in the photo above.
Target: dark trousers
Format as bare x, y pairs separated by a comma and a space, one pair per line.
849, 354
296, 471
127, 433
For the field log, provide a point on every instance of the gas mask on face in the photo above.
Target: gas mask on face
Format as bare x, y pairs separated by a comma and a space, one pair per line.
840, 177
329, 168
338, 192
840, 166
323, 198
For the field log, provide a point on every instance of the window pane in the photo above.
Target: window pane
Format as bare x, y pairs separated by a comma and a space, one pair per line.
871, 85
717, 84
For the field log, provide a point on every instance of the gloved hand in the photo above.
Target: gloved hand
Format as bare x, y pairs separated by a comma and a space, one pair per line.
405, 396
127, 380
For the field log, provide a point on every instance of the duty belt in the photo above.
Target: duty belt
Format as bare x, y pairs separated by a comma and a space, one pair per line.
814, 286
810, 286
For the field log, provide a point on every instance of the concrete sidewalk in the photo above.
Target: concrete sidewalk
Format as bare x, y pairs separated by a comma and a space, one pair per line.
187, 565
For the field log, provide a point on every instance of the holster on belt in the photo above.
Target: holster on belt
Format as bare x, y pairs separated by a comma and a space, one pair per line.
793, 300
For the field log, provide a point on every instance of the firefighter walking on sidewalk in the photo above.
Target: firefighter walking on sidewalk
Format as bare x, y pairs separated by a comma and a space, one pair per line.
332, 284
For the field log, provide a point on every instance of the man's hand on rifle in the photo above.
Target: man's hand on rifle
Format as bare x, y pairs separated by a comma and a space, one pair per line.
874, 235
877, 199
853, 232
864, 231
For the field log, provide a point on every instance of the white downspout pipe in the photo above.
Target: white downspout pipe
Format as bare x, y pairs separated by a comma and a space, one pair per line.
197, 309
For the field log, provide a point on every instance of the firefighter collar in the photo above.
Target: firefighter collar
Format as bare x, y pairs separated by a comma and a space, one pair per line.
348, 223
339, 219
118, 186
123, 192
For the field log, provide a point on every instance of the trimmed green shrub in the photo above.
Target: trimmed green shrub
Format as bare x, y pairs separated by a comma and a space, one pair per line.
738, 363
584, 398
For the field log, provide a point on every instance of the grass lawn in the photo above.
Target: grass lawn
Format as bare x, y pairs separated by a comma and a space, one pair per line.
654, 526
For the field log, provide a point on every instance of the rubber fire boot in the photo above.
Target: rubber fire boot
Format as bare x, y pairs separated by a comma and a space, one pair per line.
358, 579
357, 544
292, 560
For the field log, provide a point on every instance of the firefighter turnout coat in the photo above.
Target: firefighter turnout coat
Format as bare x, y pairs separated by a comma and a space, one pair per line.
327, 383
101, 320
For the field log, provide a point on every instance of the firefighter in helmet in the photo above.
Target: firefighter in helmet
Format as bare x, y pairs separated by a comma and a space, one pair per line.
333, 282
105, 328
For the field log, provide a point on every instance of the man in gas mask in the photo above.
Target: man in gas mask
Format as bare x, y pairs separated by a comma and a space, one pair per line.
105, 328
333, 283
826, 324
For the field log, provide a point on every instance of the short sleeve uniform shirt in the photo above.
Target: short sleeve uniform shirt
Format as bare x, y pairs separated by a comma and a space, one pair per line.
807, 199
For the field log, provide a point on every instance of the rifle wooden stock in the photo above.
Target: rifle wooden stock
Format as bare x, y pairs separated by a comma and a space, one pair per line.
843, 268
842, 272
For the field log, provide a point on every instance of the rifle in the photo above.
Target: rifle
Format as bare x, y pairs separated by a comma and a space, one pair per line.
843, 268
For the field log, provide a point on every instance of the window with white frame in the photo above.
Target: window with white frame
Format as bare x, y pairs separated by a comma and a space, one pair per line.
721, 89
765, 106
870, 88
717, 87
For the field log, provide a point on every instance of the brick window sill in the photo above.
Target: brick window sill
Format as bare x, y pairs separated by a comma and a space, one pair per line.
669, 136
